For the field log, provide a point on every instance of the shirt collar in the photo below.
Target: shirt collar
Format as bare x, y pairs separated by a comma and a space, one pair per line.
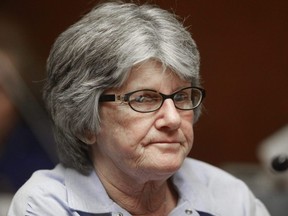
193, 188
86, 193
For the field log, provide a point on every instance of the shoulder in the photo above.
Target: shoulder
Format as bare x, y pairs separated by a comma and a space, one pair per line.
44, 190
215, 187
208, 177
220, 182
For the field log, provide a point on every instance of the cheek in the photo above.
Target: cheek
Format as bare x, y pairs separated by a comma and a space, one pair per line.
187, 127
188, 131
122, 130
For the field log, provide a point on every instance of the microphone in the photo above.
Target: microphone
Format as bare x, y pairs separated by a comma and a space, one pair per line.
280, 163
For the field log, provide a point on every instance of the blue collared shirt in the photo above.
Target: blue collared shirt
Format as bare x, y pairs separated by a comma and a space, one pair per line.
203, 190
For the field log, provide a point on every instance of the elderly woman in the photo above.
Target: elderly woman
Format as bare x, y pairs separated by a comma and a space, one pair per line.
123, 91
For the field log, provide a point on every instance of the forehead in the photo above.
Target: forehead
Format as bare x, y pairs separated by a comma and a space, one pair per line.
153, 75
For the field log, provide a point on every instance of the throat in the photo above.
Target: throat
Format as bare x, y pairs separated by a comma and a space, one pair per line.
152, 199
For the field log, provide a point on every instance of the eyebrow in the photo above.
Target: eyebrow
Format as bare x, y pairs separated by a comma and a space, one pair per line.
141, 87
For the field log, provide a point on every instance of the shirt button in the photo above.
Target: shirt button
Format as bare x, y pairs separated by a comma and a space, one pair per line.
188, 211
119, 214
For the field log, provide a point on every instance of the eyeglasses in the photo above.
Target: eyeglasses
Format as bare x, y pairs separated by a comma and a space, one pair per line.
147, 100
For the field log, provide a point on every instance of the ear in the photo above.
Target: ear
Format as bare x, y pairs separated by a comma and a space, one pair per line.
88, 138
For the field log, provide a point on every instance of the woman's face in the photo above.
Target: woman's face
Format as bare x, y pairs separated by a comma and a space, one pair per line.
144, 146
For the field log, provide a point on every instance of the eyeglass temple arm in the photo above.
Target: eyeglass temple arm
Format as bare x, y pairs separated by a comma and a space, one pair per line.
108, 97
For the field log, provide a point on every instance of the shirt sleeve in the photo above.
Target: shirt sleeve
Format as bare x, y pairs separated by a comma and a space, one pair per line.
43, 194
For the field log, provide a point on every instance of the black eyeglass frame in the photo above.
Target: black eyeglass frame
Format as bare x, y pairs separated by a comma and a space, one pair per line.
125, 98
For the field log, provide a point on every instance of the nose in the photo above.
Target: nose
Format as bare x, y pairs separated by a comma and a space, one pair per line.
169, 117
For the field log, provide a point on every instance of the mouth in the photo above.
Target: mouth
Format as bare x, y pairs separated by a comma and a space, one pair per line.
164, 143
164, 147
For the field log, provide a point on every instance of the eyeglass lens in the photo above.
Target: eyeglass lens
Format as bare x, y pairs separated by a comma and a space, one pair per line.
149, 100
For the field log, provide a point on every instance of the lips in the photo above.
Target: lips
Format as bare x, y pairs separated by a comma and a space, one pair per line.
161, 142
166, 142
168, 139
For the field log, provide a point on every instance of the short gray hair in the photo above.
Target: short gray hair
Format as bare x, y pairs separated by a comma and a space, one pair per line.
96, 54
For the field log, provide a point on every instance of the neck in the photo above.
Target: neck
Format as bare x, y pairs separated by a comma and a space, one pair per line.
150, 198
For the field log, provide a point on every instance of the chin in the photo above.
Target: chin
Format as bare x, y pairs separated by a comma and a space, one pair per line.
161, 172
169, 166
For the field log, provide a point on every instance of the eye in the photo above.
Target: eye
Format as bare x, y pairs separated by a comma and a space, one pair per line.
141, 98
147, 98
144, 97
181, 96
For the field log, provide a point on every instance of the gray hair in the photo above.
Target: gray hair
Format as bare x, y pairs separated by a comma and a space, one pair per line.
96, 54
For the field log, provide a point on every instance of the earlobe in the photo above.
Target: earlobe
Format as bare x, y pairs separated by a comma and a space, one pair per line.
88, 138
